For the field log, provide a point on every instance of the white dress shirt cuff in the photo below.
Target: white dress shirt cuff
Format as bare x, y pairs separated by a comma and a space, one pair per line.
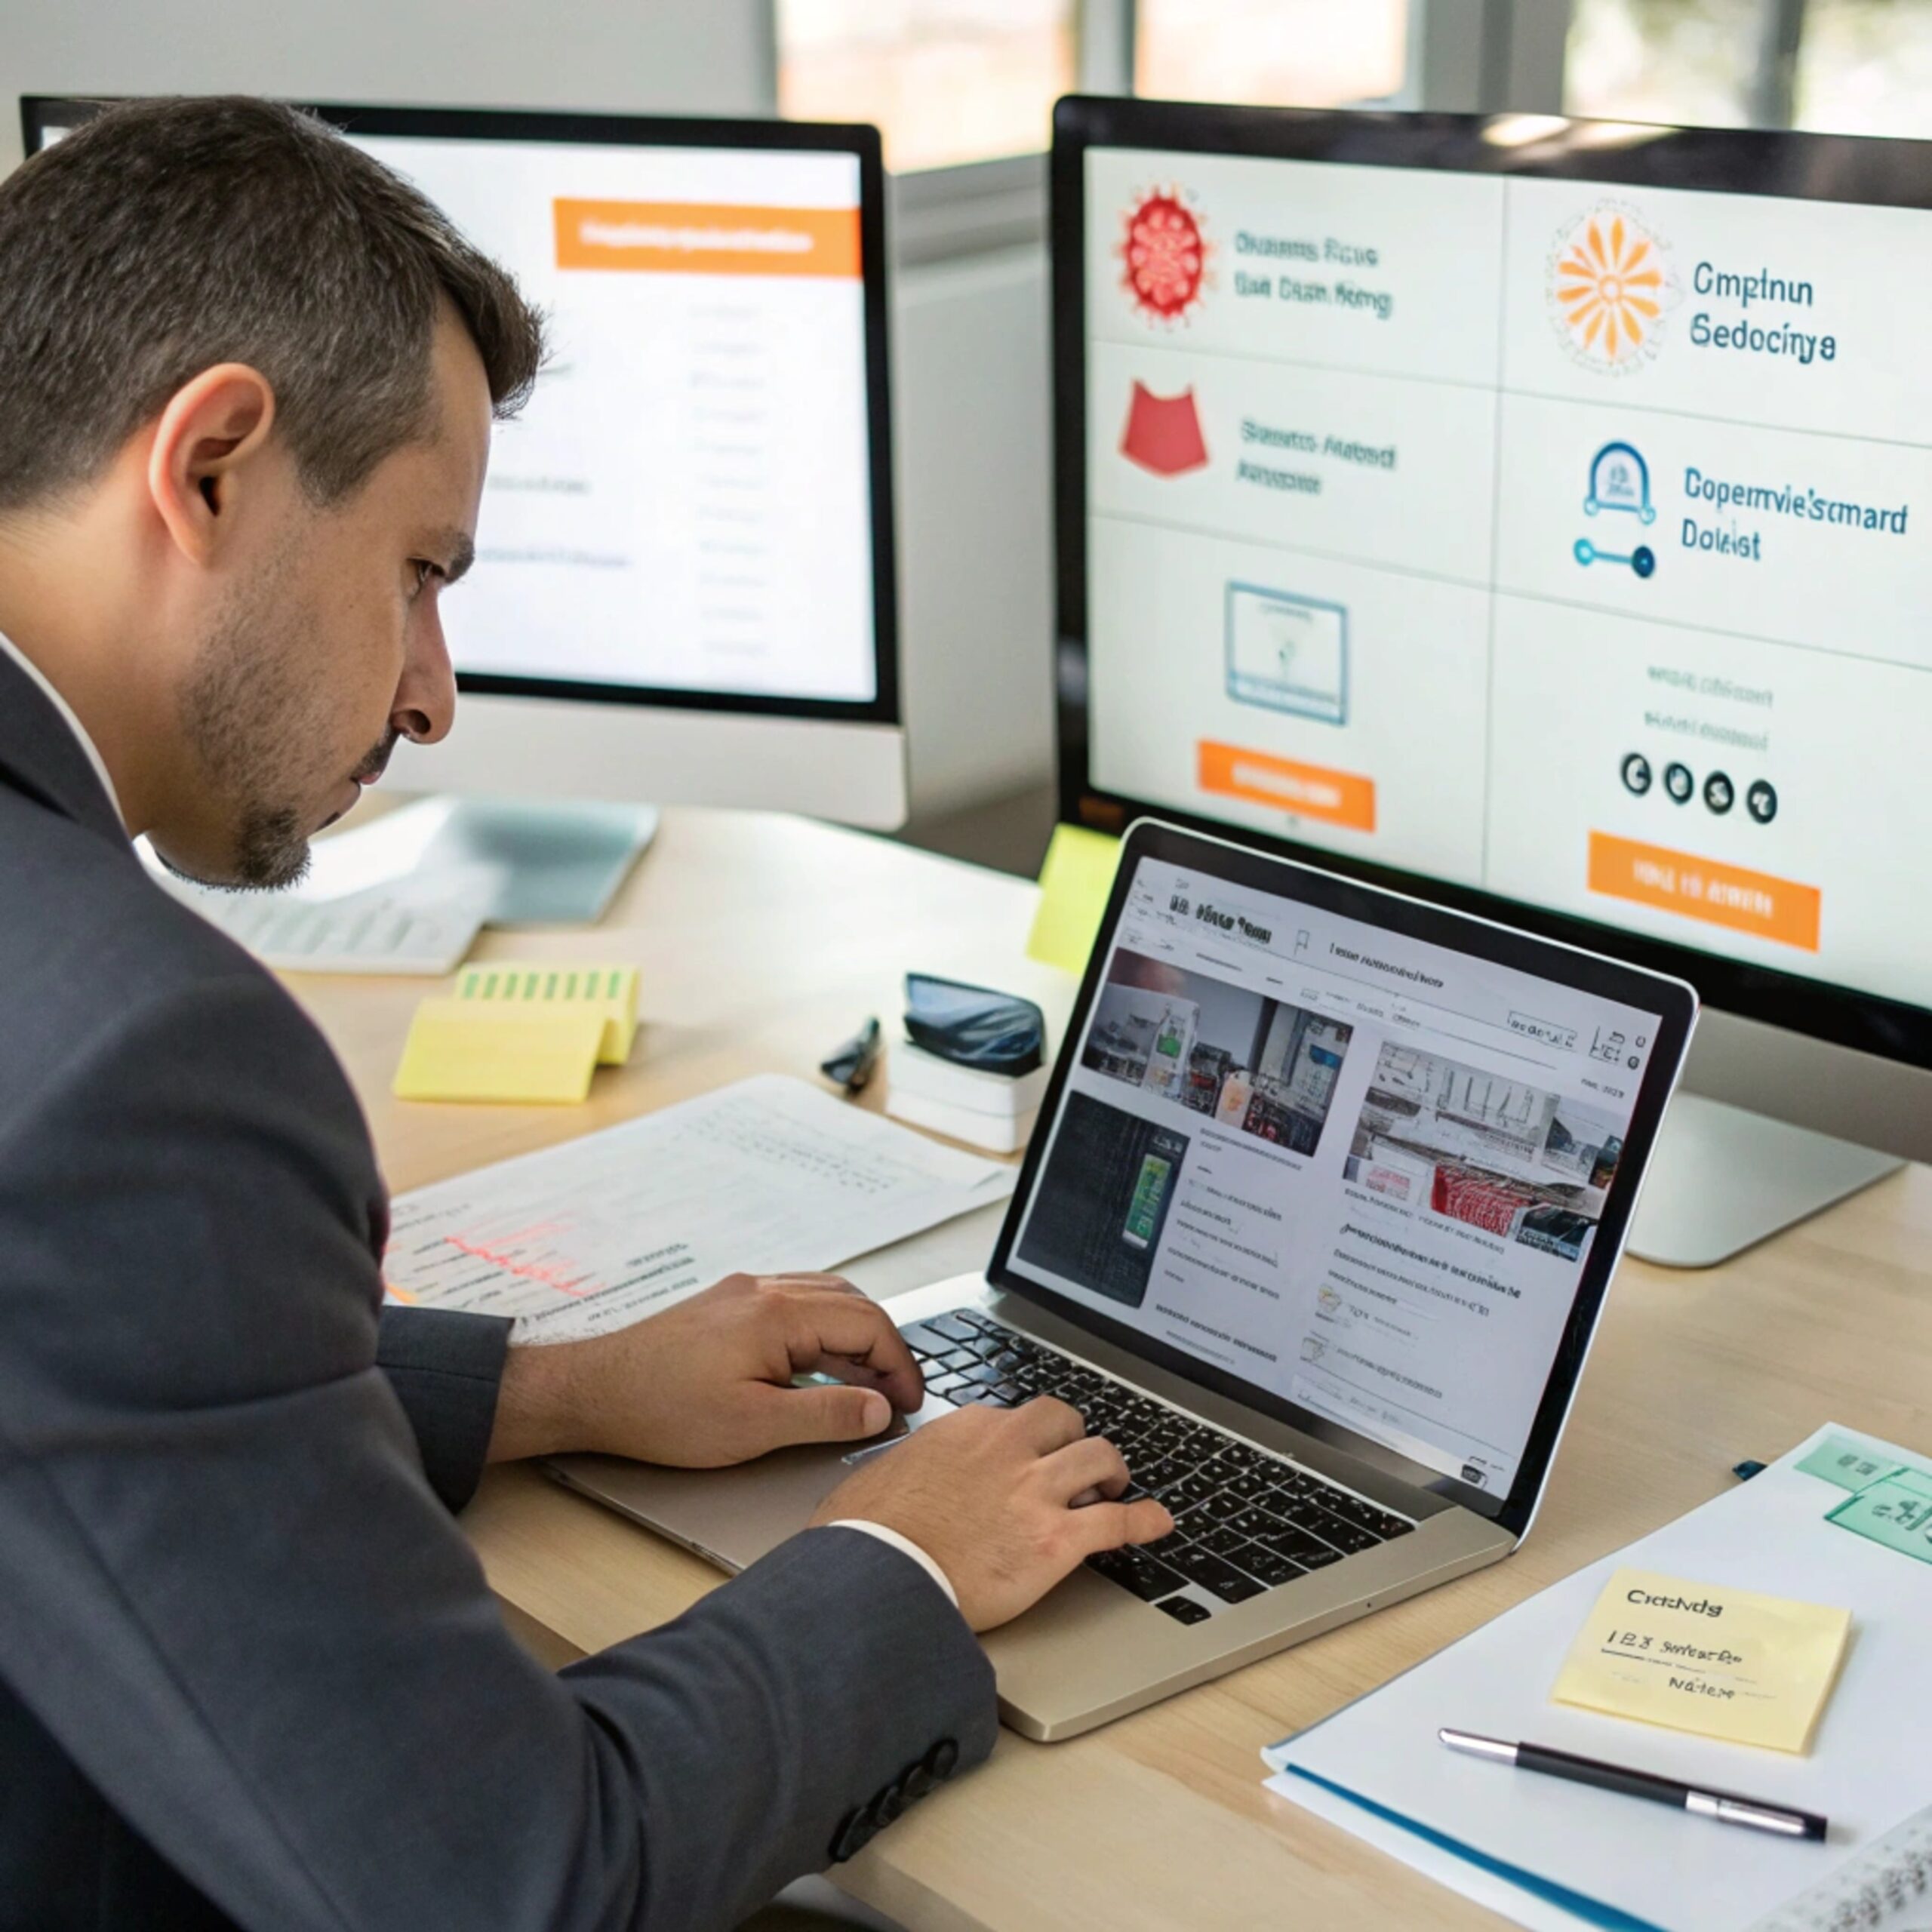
905, 1546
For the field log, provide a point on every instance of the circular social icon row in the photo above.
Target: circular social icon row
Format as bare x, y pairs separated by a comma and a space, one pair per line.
1680, 784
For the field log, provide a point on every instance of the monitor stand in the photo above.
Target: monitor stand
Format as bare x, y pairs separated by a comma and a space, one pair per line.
559, 865
1722, 1179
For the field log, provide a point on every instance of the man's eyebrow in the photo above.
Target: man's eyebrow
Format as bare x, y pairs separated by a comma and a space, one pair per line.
462, 555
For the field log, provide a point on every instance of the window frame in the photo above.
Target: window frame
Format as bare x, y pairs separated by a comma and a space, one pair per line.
1464, 56
1475, 56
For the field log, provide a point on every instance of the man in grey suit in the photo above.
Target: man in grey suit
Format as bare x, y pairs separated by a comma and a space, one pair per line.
249, 1673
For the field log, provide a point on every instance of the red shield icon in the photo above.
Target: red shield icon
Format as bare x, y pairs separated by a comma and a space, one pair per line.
1163, 432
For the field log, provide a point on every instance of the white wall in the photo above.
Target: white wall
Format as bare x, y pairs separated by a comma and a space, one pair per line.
700, 56
972, 394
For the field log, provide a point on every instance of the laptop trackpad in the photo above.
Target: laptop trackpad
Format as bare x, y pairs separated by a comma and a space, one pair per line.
731, 1517
902, 1428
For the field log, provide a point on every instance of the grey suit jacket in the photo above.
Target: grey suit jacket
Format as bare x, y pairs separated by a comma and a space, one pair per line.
250, 1672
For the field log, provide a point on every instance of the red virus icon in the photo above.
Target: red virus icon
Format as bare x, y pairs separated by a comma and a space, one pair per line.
1166, 256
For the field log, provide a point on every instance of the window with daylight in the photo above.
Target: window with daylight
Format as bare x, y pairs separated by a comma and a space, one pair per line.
1289, 53
944, 81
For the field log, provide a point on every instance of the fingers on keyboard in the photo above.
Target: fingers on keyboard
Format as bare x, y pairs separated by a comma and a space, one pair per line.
1244, 1520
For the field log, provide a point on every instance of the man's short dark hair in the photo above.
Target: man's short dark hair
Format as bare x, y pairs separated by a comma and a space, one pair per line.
165, 237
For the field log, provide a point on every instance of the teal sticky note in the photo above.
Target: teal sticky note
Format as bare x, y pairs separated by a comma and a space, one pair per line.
1849, 1464
1896, 1511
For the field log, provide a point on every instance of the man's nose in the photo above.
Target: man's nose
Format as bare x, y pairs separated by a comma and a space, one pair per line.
425, 706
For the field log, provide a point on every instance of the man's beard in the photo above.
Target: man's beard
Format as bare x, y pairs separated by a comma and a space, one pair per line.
250, 717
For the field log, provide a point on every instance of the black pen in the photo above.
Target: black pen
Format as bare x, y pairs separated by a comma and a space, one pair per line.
852, 1066
1728, 1808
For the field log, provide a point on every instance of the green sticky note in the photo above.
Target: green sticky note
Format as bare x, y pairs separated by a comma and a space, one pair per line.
1849, 1464
1073, 884
1896, 1511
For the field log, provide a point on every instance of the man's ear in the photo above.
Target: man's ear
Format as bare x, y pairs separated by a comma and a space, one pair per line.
213, 430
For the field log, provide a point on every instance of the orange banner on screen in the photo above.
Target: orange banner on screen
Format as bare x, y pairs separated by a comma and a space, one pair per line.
1729, 895
1311, 791
680, 238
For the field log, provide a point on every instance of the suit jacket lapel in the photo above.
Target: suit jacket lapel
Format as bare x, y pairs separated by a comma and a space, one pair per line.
40, 756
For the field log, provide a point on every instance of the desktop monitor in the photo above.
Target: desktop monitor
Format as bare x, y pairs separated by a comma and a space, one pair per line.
1537, 515
684, 586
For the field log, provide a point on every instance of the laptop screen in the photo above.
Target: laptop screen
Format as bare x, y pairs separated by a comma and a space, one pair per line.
1359, 1171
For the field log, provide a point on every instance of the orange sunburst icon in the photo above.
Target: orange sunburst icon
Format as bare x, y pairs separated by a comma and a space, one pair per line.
1611, 288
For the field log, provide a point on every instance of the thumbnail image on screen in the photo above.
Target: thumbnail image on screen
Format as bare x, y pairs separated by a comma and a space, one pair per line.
1248, 1062
1493, 1153
1111, 1178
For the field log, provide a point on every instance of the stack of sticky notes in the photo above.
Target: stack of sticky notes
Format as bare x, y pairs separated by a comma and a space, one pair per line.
533, 1033
994, 1111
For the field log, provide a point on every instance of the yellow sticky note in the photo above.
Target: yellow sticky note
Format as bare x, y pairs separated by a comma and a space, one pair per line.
1703, 1657
461, 1050
609, 990
1073, 884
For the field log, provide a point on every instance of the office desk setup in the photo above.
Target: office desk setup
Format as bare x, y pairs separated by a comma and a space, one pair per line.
762, 941
1487, 612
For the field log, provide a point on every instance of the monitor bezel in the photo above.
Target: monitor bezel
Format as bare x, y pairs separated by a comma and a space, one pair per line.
41, 113
1832, 167
1673, 1000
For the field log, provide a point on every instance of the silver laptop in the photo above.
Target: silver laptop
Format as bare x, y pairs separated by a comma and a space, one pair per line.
1327, 1187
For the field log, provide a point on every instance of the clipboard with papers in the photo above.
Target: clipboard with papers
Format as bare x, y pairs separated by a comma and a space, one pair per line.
1554, 1856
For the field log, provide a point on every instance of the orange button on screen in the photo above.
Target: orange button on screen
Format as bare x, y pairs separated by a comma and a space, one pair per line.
1746, 902
1310, 791
679, 237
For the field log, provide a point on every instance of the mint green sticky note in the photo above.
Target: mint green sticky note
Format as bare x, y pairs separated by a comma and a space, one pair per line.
1896, 1511
1849, 1464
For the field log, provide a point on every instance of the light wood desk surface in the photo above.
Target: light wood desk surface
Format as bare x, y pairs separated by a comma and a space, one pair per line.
763, 942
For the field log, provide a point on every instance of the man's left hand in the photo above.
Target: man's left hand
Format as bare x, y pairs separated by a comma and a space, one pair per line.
708, 1382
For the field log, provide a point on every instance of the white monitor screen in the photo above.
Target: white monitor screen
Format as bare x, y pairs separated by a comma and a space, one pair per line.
1359, 1170
1562, 540
685, 504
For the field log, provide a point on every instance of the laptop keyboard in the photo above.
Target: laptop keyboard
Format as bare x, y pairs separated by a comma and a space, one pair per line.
1244, 1520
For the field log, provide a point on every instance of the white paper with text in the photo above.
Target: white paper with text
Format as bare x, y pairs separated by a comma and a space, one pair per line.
765, 1177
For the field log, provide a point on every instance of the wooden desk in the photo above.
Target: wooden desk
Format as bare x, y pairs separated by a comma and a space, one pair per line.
763, 942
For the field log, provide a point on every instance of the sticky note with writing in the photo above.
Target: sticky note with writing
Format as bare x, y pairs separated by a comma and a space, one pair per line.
1896, 1511
1074, 884
609, 990
1705, 1658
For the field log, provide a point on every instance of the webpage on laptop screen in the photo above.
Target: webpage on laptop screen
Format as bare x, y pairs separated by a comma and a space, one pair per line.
1359, 1170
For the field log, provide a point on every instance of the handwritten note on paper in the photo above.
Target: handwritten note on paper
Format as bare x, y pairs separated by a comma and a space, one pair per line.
765, 1176
1703, 1657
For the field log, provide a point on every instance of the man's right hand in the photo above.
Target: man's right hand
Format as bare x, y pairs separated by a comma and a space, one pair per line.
989, 1494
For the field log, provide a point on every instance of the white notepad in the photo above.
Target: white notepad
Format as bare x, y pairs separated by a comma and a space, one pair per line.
1375, 1768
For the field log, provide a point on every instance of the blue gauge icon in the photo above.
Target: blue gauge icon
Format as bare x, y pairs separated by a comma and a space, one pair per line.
1620, 480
